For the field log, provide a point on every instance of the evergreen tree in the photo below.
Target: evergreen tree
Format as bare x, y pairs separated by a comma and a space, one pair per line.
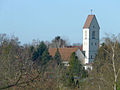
35, 55
57, 57
38, 53
75, 65
41, 48
75, 69
45, 57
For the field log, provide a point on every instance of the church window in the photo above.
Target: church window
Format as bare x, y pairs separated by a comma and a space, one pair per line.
92, 44
93, 35
85, 34
95, 44
91, 57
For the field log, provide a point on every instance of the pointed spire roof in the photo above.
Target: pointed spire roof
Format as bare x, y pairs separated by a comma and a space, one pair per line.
88, 21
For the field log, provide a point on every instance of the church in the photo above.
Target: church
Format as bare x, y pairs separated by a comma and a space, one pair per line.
87, 53
90, 39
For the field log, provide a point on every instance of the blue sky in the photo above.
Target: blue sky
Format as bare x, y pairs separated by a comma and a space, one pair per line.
45, 19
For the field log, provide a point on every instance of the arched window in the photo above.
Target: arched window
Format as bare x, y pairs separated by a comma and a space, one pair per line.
93, 35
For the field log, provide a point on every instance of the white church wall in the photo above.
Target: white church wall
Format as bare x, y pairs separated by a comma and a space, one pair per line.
86, 43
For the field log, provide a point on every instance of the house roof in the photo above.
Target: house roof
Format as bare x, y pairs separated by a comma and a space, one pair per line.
80, 47
64, 52
88, 21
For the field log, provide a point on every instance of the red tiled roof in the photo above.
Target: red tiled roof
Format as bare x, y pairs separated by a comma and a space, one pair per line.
64, 52
80, 47
88, 21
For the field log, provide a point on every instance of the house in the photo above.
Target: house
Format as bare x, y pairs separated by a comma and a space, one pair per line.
66, 53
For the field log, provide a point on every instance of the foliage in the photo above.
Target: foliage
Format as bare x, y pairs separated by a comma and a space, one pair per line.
118, 86
17, 70
14, 64
70, 80
75, 69
45, 57
58, 42
30, 66
106, 68
57, 57
75, 65
39, 51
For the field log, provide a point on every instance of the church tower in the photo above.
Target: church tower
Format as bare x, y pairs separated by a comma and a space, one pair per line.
90, 38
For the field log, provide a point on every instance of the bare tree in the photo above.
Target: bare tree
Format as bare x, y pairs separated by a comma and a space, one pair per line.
58, 42
114, 45
16, 66
106, 67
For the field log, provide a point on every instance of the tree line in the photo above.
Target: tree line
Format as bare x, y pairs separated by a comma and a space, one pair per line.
31, 67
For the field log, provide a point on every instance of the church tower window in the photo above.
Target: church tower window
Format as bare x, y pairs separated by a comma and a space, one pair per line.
95, 43
91, 57
93, 35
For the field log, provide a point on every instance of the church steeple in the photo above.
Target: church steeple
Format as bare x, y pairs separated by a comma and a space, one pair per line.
90, 38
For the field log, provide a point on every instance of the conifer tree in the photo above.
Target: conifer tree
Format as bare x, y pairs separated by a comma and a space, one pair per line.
45, 57
75, 65
57, 57
38, 53
75, 69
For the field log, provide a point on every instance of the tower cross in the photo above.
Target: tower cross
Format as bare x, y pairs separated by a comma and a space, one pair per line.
91, 11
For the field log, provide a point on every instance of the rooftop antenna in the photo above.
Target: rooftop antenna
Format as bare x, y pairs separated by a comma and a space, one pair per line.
91, 11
